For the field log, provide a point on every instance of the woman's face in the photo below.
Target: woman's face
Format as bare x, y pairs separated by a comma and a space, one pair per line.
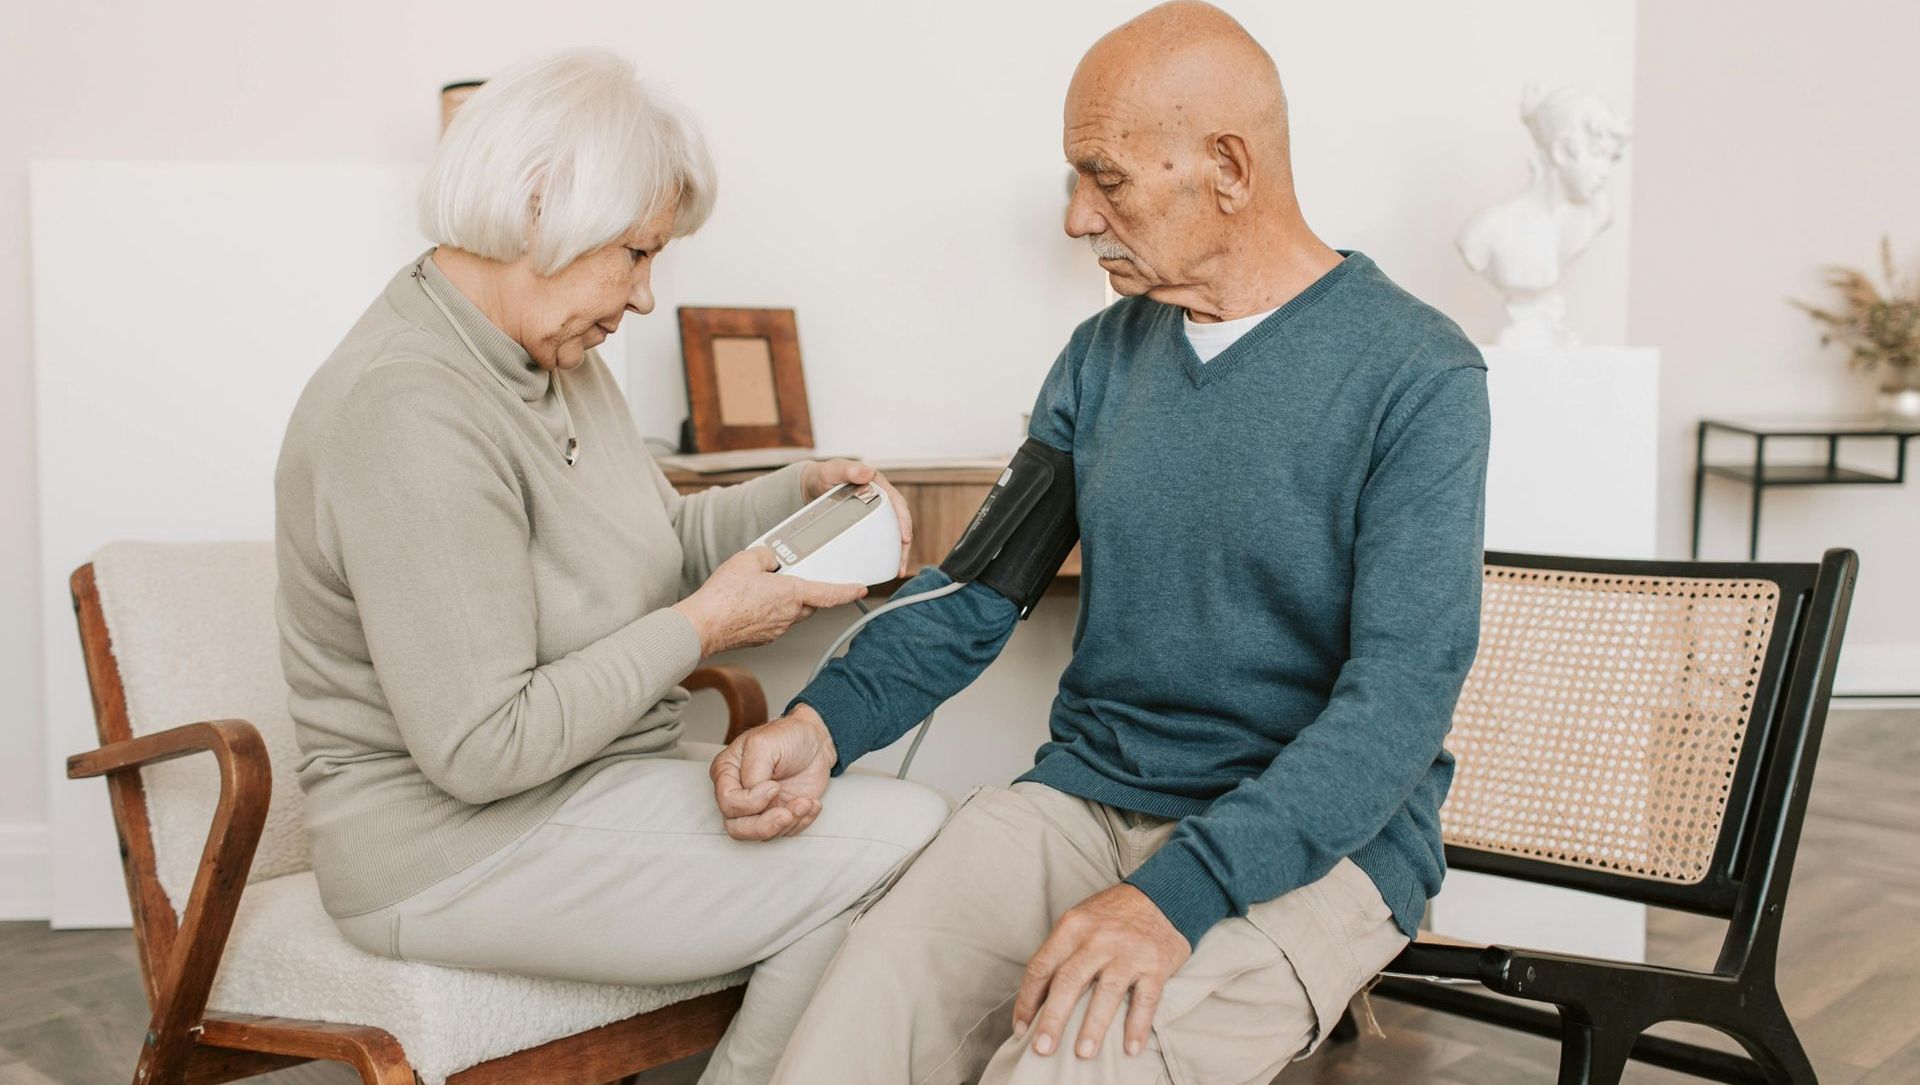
566, 314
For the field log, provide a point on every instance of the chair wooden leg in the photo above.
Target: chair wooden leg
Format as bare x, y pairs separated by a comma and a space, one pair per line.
1774, 1045
1346, 1030
1593, 1054
1785, 1062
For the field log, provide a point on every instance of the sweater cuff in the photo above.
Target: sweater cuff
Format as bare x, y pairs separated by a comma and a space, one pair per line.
844, 713
1181, 888
776, 496
664, 643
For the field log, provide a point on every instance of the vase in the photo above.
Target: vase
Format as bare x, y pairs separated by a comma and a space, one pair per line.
1904, 401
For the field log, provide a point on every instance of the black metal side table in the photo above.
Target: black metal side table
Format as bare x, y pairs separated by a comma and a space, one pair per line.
1761, 475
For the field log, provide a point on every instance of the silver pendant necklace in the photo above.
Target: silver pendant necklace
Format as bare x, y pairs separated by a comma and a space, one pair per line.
572, 452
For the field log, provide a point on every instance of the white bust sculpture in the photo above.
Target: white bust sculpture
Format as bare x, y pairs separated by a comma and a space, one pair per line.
1521, 244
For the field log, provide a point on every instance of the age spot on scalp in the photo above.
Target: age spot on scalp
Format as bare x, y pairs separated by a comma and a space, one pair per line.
1166, 165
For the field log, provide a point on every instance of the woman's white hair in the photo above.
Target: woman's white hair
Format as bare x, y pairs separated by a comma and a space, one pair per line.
560, 156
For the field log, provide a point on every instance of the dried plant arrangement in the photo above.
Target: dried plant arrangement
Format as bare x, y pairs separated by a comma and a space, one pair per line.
1880, 330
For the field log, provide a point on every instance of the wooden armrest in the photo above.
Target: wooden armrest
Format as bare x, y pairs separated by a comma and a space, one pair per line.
746, 701
246, 785
231, 741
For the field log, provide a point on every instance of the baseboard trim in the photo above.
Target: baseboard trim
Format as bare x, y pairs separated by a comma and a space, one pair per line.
23, 873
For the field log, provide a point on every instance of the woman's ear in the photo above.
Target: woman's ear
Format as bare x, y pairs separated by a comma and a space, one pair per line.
1233, 171
532, 229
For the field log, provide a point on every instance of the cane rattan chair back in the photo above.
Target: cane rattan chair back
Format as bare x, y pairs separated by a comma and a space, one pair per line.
1611, 732
1648, 731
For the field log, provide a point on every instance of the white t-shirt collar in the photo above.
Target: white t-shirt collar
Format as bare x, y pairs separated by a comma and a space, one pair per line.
1209, 340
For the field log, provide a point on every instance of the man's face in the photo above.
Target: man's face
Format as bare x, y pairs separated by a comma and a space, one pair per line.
1139, 197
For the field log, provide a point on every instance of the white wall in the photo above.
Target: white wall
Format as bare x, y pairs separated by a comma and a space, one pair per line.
1768, 145
894, 174
22, 796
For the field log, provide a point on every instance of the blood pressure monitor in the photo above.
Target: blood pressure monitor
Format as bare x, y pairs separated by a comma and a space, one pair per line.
850, 534
1014, 546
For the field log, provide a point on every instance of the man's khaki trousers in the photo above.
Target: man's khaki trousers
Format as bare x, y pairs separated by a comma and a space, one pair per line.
922, 990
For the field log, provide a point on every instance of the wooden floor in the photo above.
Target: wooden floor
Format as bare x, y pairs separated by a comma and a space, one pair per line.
71, 1010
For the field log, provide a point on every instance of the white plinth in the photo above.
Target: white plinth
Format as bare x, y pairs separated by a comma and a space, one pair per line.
1572, 471
1575, 433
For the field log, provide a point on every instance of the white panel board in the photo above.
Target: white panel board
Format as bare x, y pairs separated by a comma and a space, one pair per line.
178, 310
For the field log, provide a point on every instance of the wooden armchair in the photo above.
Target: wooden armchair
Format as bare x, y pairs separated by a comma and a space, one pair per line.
172, 614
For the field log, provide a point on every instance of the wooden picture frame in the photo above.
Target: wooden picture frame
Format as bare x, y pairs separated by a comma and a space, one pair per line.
745, 387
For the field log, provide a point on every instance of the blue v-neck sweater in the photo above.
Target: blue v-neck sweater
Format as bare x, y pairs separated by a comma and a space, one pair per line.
1279, 594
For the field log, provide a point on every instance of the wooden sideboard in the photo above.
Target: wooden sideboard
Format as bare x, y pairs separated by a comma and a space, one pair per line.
942, 500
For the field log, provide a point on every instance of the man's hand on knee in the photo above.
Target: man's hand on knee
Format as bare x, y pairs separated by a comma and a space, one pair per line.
769, 781
1119, 943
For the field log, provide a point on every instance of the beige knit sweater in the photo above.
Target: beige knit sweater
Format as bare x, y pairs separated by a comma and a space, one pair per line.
471, 628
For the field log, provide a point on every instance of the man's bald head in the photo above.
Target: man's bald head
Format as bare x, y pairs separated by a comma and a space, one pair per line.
1189, 71
1176, 127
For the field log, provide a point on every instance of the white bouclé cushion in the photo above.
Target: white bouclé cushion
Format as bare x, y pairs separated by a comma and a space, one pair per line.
193, 633
286, 958
194, 636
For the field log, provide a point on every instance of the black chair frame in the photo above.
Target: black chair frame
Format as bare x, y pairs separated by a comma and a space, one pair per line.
1601, 1008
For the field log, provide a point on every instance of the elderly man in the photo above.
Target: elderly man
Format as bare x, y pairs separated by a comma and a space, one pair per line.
1279, 458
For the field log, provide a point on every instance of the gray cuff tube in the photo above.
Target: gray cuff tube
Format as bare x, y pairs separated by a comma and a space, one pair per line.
1024, 530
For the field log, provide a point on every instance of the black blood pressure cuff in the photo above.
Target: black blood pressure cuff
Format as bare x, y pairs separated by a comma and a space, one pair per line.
1024, 530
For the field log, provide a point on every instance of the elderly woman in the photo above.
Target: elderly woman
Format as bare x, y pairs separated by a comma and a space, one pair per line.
489, 594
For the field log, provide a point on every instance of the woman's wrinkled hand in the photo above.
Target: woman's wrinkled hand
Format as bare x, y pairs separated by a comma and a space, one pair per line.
748, 602
820, 476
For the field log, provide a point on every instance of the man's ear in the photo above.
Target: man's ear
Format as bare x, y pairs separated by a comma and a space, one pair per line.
1233, 171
